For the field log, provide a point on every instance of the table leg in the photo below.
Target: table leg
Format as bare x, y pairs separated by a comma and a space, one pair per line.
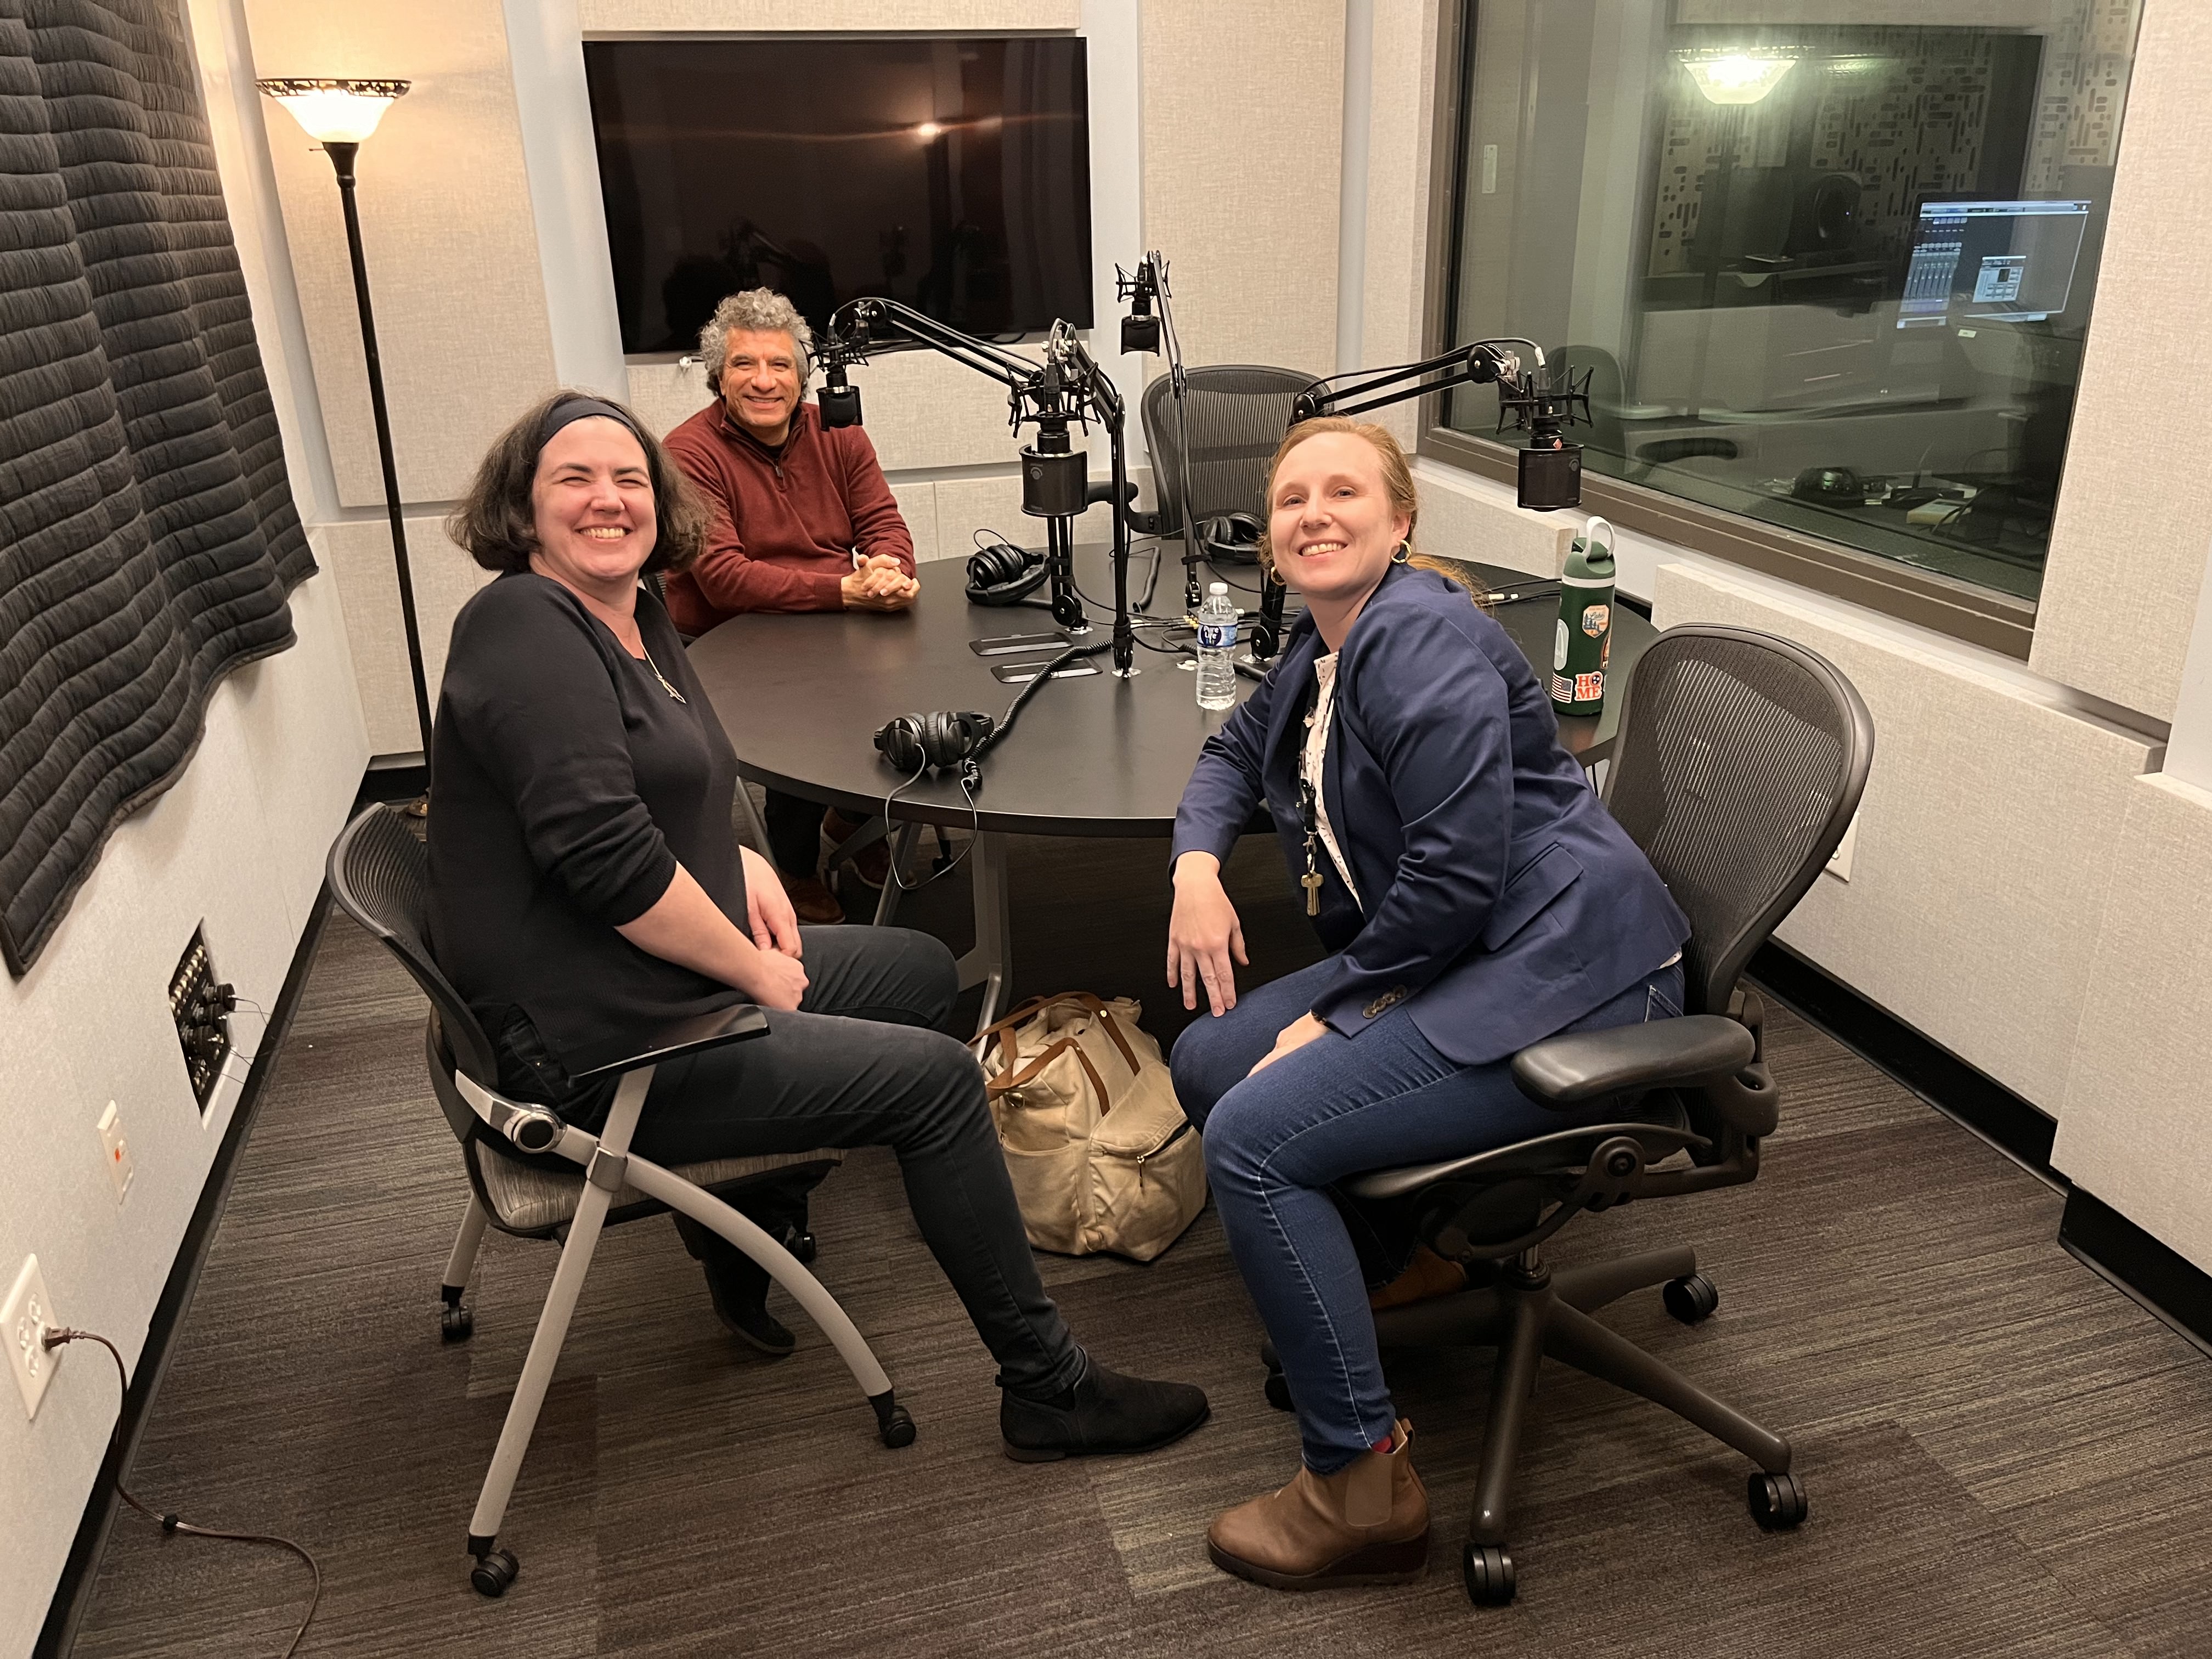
901, 850
991, 962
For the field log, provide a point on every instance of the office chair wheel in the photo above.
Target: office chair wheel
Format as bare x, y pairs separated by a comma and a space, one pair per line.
801, 1245
1691, 1299
1487, 1571
455, 1324
1777, 1501
494, 1572
894, 1423
1279, 1392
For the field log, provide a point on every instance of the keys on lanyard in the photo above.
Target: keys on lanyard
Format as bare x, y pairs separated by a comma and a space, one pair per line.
1308, 821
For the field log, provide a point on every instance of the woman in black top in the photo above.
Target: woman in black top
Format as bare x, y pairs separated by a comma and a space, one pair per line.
586, 885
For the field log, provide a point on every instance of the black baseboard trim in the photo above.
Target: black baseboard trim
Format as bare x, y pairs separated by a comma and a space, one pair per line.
72, 1591
2164, 1281
2009, 1123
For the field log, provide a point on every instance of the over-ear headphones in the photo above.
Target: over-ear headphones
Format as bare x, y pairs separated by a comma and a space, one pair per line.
941, 739
1232, 538
1000, 573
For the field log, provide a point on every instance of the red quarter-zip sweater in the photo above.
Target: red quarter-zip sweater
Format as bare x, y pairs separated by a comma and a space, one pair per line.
785, 521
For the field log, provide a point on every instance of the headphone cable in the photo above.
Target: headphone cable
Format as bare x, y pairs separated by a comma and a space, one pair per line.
970, 770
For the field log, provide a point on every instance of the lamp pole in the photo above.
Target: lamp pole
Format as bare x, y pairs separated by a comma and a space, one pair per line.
340, 114
342, 158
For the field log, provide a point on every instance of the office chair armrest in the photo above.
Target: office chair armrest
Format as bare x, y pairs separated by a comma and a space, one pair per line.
1583, 1066
693, 1035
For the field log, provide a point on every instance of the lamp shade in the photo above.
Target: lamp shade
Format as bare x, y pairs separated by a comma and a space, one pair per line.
336, 112
1737, 77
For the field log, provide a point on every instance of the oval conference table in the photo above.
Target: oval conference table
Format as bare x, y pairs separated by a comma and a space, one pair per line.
802, 696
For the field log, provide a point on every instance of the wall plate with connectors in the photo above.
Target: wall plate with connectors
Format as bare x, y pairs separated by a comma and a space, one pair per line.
196, 1004
115, 1150
25, 1316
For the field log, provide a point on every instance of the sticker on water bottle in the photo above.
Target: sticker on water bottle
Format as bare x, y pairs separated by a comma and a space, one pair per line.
1217, 636
1559, 646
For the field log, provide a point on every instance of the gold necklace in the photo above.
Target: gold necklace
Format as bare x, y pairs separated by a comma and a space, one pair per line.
658, 675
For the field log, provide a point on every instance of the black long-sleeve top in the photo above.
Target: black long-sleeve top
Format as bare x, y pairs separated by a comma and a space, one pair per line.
566, 786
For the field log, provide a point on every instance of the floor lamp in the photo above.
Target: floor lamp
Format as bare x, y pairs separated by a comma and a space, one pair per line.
340, 115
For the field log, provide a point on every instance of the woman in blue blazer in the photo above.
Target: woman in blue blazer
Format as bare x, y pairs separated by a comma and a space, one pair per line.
1475, 897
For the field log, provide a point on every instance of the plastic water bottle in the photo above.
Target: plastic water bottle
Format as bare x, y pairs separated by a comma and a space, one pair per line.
1217, 645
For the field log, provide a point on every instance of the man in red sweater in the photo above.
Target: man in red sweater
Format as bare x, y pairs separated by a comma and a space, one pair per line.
802, 520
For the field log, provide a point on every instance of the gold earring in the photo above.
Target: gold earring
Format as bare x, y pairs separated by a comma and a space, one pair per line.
1405, 551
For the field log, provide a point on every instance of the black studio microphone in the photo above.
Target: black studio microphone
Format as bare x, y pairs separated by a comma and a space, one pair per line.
840, 403
1140, 329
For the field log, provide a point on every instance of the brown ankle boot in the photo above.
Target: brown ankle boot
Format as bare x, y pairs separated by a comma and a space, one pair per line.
1426, 1275
1367, 1524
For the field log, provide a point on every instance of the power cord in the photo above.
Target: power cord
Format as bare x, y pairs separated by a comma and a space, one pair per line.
54, 1337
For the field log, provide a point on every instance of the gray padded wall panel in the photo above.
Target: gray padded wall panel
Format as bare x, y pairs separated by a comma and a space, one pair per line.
147, 536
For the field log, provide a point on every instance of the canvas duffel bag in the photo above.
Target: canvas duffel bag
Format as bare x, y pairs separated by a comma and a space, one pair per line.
1101, 1155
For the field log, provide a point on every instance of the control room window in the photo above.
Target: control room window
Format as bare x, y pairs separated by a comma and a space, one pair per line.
1830, 275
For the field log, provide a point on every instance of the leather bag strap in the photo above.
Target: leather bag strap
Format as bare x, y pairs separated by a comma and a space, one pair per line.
1028, 1073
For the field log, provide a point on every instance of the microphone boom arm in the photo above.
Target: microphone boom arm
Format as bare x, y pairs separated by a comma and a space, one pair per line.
1068, 385
1523, 396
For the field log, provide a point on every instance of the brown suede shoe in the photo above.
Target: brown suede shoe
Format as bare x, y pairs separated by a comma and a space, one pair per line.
1427, 1275
872, 863
1367, 1524
816, 905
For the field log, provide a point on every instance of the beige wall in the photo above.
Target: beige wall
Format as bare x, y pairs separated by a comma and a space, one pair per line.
1970, 896
2127, 548
450, 244
1243, 136
2137, 1125
357, 553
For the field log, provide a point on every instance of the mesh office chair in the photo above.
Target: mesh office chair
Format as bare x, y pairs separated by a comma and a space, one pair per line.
1233, 417
533, 1176
1742, 757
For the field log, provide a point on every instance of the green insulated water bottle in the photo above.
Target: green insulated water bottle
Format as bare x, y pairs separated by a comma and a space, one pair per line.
1584, 641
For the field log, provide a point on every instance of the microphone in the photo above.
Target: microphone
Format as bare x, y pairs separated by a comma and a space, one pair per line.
1140, 329
840, 402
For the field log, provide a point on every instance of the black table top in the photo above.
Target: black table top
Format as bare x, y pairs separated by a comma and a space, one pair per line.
801, 697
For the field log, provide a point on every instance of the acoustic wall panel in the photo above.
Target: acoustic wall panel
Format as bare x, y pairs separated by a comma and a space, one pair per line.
147, 536
1244, 129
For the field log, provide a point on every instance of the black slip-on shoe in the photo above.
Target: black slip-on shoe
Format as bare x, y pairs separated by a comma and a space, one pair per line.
1105, 1412
739, 1285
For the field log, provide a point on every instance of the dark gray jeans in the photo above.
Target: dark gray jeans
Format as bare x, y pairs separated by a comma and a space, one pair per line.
860, 1064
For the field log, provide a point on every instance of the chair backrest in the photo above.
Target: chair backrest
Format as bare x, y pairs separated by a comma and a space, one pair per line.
380, 874
1742, 759
1233, 417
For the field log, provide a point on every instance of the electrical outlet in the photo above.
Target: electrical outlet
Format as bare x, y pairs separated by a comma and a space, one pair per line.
1839, 861
115, 1150
25, 1317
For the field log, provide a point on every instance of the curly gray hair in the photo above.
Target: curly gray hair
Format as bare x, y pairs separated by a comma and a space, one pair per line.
756, 308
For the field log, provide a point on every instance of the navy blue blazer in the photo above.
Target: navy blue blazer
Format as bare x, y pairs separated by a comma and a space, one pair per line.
1503, 902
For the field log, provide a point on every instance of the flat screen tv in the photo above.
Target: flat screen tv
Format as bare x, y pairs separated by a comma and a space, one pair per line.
953, 174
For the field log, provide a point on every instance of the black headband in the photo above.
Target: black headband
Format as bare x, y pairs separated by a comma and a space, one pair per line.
570, 409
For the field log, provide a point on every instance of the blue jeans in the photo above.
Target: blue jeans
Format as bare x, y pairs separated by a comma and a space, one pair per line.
1275, 1143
